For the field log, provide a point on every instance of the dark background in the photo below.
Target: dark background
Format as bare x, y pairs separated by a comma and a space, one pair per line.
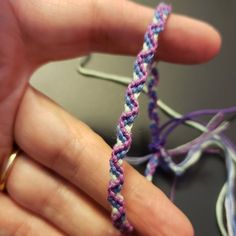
185, 88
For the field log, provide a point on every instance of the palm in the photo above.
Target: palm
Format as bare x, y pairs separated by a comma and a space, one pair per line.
23, 49
12, 73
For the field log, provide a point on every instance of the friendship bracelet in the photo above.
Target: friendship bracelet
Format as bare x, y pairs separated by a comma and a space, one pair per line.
211, 141
142, 68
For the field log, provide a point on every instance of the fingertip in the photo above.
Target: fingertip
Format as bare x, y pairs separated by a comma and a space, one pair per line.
189, 41
208, 42
213, 44
184, 40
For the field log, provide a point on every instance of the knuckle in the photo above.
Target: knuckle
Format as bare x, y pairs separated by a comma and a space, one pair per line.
135, 191
24, 229
50, 205
97, 33
69, 156
78, 148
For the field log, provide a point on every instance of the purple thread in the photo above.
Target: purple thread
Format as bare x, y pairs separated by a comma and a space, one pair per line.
174, 123
155, 144
153, 111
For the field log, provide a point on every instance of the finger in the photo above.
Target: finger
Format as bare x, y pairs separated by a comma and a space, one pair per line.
184, 40
67, 146
72, 27
56, 201
14, 220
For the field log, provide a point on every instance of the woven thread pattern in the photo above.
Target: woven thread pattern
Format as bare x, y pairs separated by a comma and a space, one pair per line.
153, 111
142, 67
155, 144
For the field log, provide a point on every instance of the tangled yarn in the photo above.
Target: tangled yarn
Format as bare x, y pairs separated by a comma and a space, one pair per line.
142, 67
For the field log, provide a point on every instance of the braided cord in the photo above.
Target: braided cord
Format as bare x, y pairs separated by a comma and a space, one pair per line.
142, 67
153, 111
154, 146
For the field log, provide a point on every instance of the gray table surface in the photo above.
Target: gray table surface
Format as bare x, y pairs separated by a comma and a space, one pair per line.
186, 88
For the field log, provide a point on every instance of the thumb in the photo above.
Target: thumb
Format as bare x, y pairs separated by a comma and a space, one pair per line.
13, 75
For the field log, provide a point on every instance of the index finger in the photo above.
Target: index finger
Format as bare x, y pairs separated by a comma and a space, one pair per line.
68, 147
71, 28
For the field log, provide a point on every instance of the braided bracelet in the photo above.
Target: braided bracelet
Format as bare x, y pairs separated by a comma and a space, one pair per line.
142, 67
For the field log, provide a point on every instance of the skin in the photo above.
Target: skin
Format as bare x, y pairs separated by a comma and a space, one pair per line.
58, 185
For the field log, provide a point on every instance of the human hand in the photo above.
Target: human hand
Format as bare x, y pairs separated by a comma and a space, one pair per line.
35, 32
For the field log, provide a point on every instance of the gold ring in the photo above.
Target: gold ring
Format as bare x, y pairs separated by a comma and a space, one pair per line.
6, 168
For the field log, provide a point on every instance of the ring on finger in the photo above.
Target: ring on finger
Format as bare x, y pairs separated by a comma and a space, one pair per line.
6, 168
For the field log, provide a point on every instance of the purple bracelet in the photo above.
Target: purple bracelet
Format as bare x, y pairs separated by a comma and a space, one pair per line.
142, 67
